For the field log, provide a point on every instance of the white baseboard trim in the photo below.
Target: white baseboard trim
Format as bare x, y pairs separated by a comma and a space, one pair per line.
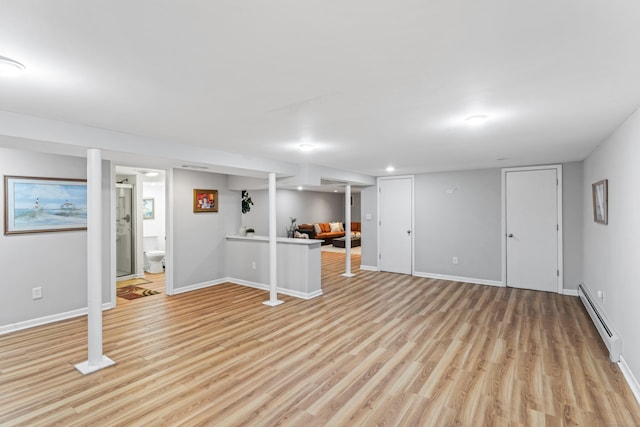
369, 268
249, 284
26, 324
459, 279
264, 287
570, 292
201, 285
631, 379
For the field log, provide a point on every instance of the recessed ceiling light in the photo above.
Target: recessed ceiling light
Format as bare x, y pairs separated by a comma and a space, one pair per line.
10, 67
306, 146
335, 191
300, 188
390, 169
151, 173
476, 120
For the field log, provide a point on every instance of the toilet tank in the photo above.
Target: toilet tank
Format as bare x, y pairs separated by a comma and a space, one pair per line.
153, 243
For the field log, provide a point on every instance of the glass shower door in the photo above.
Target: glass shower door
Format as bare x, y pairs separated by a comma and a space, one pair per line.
124, 230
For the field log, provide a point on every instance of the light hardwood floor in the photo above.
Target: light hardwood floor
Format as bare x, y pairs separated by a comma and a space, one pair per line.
376, 349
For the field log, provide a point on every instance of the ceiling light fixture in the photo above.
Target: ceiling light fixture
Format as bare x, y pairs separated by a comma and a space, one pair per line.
306, 147
300, 188
390, 169
150, 173
476, 120
10, 67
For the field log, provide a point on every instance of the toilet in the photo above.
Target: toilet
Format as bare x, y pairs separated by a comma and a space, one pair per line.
154, 260
154, 254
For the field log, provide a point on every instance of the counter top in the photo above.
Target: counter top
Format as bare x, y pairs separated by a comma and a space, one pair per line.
304, 242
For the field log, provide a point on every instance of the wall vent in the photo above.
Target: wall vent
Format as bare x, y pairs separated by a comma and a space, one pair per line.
609, 336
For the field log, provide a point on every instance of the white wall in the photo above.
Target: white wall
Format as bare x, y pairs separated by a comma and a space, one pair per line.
369, 207
155, 228
459, 214
199, 238
572, 223
55, 261
307, 206
612, 252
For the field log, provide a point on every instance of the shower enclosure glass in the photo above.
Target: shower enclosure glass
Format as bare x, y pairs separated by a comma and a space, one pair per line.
125, 261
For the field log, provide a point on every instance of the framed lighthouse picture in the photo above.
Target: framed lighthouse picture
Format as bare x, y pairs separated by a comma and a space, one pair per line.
40, 205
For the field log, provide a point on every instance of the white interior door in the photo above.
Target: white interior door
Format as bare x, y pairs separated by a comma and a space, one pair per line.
396, 222
532, 229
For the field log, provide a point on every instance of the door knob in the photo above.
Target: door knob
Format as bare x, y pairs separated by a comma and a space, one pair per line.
510, 235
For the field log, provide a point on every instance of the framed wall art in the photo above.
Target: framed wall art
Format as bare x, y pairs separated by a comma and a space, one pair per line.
39, 205
205, 200
600, 192
148, 208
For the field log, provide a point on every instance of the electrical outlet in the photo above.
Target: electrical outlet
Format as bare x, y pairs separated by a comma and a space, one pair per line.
253, 265
601, 296
36, 293
455, 260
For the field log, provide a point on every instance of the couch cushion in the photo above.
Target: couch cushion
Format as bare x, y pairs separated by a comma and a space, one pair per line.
325, 227
317, 228
335, 227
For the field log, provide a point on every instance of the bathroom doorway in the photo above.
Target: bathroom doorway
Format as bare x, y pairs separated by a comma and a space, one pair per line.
140, 227
125, 231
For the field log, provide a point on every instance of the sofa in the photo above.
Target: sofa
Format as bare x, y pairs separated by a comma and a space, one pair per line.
328, 231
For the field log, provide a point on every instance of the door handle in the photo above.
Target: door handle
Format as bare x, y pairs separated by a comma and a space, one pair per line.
510, 235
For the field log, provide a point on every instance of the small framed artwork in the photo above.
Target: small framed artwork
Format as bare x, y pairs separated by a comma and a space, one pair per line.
148, 208
600, 192
40, 205
205, 200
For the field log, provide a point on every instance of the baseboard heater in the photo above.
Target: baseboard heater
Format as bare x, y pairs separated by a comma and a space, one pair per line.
609, 336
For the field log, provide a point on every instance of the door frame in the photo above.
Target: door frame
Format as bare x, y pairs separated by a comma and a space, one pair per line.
558, 169
413, 218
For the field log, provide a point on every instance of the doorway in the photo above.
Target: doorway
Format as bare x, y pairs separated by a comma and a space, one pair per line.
395, 212
532, 239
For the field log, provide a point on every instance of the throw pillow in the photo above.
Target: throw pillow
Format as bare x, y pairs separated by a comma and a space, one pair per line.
341, 227
335, 227
317, 229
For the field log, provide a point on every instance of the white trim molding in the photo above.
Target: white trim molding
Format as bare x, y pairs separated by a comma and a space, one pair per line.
32, 323
631, 379
265, 287
570, 292
201, 285
459, 279
369, 267
249, 284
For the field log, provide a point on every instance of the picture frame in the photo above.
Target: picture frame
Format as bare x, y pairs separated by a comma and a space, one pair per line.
600, 193
42, 205
148, 208
205, 200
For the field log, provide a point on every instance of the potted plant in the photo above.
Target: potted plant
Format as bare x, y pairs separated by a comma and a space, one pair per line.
292, 228
246, 202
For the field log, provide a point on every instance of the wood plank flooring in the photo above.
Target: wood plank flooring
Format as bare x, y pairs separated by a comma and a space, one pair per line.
376, 349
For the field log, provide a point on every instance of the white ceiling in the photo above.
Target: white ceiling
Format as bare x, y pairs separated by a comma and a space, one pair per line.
371, 83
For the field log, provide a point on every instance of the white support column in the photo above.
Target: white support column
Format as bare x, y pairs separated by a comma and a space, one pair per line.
96, 360
347, 230
273, 245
